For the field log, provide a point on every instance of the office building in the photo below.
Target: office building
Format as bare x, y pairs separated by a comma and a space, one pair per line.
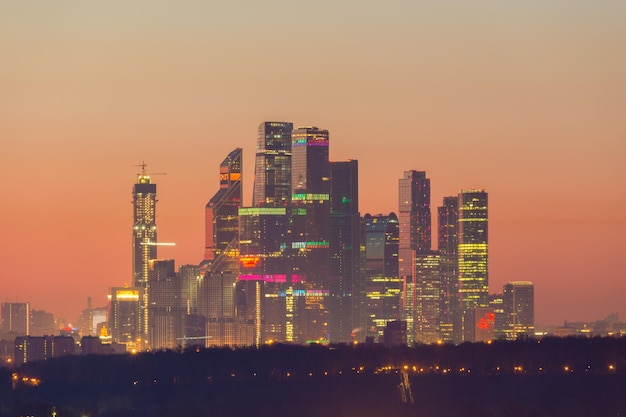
496, 303
272, 175
426, 297
519, 309
144, 238
415, 236
347, 286
447, 245
125, 317
381, 272
221, 217
310, 173
165, 312
473, 249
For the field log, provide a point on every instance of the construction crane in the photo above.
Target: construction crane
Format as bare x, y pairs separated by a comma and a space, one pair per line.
149, 243
143, 166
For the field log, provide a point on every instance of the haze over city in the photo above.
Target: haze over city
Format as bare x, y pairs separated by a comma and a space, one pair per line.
523, 99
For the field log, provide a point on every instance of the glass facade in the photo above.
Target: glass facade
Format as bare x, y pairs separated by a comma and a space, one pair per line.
447, 244
272, 174
347, 287
473, 249
311, 188
381, 268
519, 309
415, 236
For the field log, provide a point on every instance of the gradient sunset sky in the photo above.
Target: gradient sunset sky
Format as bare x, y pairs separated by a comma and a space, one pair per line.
526, 99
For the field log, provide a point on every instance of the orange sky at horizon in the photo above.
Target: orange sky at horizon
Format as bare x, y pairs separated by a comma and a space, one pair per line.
523, 100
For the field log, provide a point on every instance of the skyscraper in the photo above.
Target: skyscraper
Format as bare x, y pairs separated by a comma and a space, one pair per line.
519, 305
381, 268
447, 244
221, 217
272, 180
347, 286
473, 250
218, 287
310, 175
426, 297
144, 238
415, 236
144, 227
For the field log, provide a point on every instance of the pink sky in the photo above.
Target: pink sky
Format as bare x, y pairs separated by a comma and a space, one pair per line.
524, 99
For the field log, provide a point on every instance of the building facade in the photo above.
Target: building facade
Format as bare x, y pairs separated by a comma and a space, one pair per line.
347, 286
272, 174
447, 245
519, 309
415, 236
381, 272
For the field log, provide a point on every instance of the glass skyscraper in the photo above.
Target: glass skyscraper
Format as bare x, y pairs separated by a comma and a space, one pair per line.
519, 309
447, 244
272, 175
310, 173
347, 286
473, 249
415, 236
381, 268
144, 238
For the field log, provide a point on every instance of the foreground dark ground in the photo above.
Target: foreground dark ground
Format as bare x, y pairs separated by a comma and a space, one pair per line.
554, 377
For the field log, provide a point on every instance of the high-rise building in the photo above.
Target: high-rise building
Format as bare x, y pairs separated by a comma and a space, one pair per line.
447, 244
165, 312
415, 236
496, 303
144, 227
347, 286
266, 279
272, 180
473, 250
125, 317
217, 290
310, 173
144, 238
381, 269
519, 309
426, 297
16, 318
221, 217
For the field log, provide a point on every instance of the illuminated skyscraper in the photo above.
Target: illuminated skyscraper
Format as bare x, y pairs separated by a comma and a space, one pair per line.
221, 217
415, 235
144, 238
381, 268
426, 298
125, 312
347, 286
217, 291
473, 250
448, 242
310, 173
144, 227
272, 180
519, 309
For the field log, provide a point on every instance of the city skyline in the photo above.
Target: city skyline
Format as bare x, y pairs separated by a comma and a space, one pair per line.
533, 117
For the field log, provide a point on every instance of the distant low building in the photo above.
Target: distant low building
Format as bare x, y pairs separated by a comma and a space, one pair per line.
395, 334
34, 348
